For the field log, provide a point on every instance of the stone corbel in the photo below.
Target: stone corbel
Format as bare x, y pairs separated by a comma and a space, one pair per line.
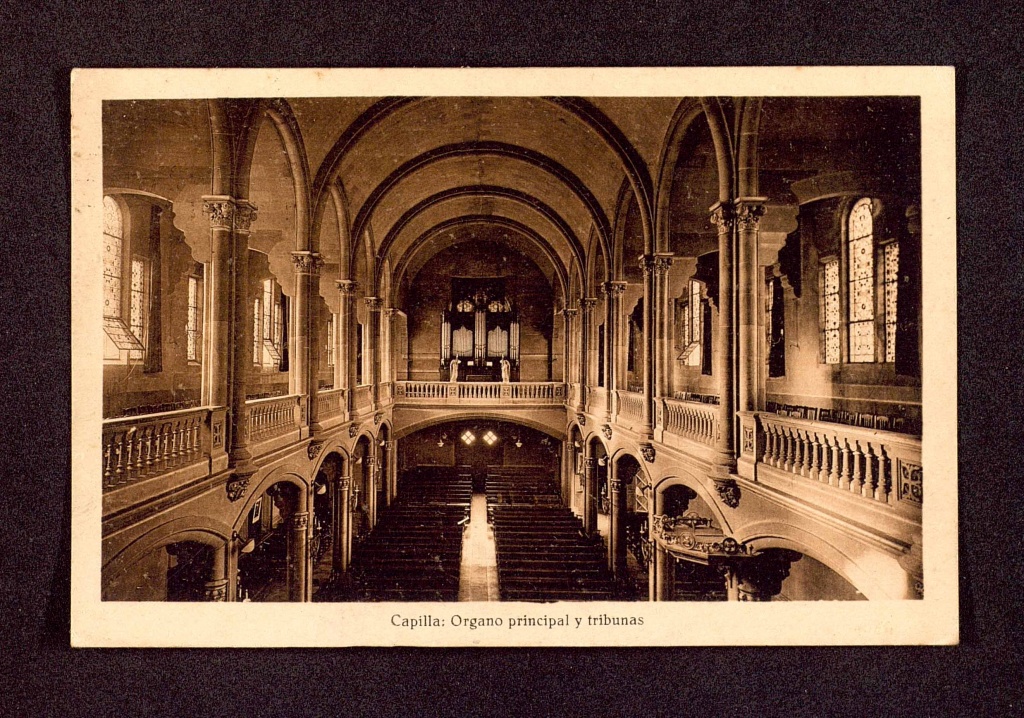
237, 486
648, 452
313, 449
729, 491
606, 429
581, 419
377, 418
353, 431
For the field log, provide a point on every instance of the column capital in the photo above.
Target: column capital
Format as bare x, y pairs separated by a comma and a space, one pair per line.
373, 303
613, 290
229, 213
749, 211
344, 483
663, 262
307, 262
588, 303
347, 287
646, 263
569, 312
723, 216
589, 462
389, 311
615, 485
300, 520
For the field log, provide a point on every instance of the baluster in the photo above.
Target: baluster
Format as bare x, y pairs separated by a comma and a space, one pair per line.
774, 451
834, 468
857, 480
149, 449
815, 458
846, 471
768, 455
780, 456
884, 484
119, 469
805, 469
868, 489
139, 463
798, 452
108, 473
787, 449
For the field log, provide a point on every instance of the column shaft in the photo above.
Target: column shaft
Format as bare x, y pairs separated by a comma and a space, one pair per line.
371, 355
344, 363
298, 556
749, 212
216, 588
589, 494
304, 367
617, 531
723, 215
648, 263
342, 520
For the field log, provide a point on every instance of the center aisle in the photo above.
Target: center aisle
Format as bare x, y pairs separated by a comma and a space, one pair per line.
478, 573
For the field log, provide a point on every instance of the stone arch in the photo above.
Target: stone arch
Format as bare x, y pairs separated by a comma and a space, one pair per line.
287, 474
415, 426
689, 111
776, 534
691, 482
201, 529
327, 451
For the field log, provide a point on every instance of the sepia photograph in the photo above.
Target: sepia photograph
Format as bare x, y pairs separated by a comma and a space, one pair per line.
513, 357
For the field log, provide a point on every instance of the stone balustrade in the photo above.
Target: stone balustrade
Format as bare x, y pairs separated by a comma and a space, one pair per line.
141, 447
631, 404
691, 420
272, 417
475, 393
330, 403
879, 466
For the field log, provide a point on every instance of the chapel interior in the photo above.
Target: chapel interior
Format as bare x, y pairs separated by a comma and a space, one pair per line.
511, 349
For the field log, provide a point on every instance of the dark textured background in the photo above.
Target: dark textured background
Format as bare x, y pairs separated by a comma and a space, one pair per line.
40, 675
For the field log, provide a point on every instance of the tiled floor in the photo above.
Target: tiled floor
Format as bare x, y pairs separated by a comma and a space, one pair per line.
478, 574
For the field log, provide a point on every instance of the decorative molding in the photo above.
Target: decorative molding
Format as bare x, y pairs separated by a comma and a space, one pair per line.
606, 429
748, 440
373, 304
377, 418
682, 531
353, 430
300, 521
646, 263
344, 483
245, 215
237, 486
615, 485
216, 591
588, 303
749, 212
589, 462
729, 491
307, 262
911, 483
662, 263
648, 452
581, 419
217, 434
569, 312
314, 448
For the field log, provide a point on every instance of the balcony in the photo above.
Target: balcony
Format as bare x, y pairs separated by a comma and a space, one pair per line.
438, 393
330, 407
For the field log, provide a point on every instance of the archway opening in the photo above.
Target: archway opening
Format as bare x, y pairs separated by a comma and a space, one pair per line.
263, 565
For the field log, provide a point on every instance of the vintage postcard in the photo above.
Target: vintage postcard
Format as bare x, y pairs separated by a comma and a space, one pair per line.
547, 357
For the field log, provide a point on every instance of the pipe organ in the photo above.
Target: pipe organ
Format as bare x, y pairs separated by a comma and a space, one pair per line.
480, 328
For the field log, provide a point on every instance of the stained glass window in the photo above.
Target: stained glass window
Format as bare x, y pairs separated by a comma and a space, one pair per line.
330, 340
830, 314
861, 297
468, 437
268, 308
113, 248
892, 269
490, 437
192, 321
695, 324
138, 305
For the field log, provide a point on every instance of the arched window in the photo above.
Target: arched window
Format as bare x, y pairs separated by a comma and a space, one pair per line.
124, 342
113, 258
860, 253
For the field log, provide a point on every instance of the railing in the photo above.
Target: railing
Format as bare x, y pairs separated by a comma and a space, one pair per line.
141, 447
597, 400
386, 392
877, 465
631, 404
692, 420
479, 392
329, 403
269, 418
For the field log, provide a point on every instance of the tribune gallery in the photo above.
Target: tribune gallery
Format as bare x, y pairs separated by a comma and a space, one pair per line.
512, 349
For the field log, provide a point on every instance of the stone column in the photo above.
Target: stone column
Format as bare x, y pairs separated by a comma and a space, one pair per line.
613, 291
649, 266
342, 522
387, 373
724, 216
304, 366
230, 353
344, 361
663, 575
586, 330
370, 354
589, 493
371, 484
298, 556
663, 344
219, 303
617, 530
568, 368
760, 578
216, 588
749, 211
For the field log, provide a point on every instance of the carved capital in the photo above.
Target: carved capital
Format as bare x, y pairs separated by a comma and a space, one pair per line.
647, 263
569, 312
373, 304
615, 485
389, 312
723, 216
313, 449
662, 263
221, 211
345, 483
347, 287
749, 212
729, 491
589, 462
245, 215
613, 290
300, 520
648, 452
607, 431
307, 262
216, 591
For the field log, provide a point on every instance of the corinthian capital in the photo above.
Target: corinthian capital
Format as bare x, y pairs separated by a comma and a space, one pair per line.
588, 303
373, 303
245, 215
228, 213
749, 211
614, 289
723, 216
347, 287
307, 262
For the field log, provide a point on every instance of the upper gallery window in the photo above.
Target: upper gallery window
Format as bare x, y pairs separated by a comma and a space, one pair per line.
860, 248
125, 340
194, 318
